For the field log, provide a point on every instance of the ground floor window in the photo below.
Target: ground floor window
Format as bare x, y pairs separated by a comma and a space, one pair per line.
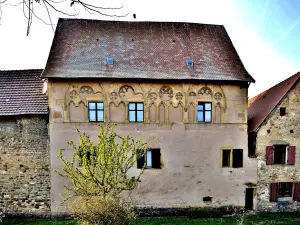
284, 190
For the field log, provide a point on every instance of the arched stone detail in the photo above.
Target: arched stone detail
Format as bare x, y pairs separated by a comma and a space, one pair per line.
152, 110
86, 89
218, 96
117, 112
205, 92
166, 93
179, 96
175, 113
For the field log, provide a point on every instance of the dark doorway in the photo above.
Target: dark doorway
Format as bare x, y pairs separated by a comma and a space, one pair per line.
249, 199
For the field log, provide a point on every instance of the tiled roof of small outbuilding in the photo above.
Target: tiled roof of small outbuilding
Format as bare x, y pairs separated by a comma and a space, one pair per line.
21, 93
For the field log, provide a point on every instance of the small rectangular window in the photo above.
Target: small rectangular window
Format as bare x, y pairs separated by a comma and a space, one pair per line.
136, 112
279, 154
237, 158
282, 111
150, 160
232, 158
204, 112
96, 111
285, 189
226, 158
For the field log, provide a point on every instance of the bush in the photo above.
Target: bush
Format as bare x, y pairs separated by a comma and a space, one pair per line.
102, 211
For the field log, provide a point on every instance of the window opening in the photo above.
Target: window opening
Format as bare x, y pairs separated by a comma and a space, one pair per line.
96, 111
282, 111
150, 160
285, 189
204, 112
136, 112
279, 154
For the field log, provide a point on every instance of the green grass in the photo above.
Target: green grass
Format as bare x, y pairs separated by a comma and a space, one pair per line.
253, 219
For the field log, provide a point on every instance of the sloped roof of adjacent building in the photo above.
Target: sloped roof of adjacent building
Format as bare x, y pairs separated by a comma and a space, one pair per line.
260, 106
21, 93
143, 50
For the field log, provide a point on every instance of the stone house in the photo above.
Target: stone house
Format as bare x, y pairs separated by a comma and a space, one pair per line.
24, 152
274, 138
182, 83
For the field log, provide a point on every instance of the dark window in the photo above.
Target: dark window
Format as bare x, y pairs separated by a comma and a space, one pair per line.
150, 160
282, 111
207, 199
226, 158
96, 111
237, 158
204, 112
136, 112
279, 154
232, 158
285, 189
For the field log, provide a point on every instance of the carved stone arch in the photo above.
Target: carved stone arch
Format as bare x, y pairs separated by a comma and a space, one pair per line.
192, 95
77, 112
205, 92
166, 93
118, 112
175, 112
219, 96
152, 112
86, 89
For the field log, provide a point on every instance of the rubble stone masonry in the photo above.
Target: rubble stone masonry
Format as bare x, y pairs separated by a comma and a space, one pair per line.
24, 165
278, 129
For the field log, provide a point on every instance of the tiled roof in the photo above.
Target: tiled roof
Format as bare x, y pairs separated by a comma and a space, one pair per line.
260, 106
143, 50
21, 93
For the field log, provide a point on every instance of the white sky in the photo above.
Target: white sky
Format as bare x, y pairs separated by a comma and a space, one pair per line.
18, 51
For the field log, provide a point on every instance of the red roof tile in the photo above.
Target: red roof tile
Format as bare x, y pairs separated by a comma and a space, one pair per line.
21, 93
260, 106
144, 50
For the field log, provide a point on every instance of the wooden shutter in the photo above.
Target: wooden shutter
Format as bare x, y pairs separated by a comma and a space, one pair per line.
297, 191
140, 162
269, 155
291, 155
237, 158
274, 192
156, 158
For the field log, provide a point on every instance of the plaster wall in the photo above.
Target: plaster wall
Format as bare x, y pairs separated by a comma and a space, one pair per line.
190, 151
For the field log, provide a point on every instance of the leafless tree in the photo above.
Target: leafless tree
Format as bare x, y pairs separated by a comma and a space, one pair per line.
32, 9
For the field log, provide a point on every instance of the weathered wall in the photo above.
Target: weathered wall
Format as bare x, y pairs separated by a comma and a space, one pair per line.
279, 128
25, 161
190, 150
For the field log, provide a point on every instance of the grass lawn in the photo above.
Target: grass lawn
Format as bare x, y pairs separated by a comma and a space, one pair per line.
253, 219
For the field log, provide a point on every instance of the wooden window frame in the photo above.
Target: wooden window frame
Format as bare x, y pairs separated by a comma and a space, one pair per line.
290, 155
230, 158
96, 111
203, 112
136, 112
292, 190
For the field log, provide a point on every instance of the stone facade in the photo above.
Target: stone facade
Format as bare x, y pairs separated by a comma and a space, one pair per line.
191, 152
279, 130
24, 160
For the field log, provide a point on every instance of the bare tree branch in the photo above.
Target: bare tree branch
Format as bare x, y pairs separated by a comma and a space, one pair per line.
30, 9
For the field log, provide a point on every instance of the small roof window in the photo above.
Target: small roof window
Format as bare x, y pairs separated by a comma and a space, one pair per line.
110, 61
189, 62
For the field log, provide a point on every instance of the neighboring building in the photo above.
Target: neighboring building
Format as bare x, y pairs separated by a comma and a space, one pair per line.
182, 83
24, 152
274, 138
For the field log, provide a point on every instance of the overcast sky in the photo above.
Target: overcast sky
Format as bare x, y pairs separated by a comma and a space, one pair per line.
266, 33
